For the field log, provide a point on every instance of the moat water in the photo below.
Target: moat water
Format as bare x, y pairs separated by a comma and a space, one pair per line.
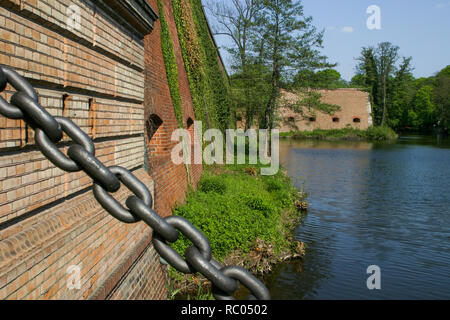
383, 204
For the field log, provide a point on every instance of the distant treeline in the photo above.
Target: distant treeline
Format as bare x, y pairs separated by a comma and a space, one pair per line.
275, 46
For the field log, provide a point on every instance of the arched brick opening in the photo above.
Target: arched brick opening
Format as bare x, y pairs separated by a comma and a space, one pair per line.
336, 119
154, 135
190, 128
356, 120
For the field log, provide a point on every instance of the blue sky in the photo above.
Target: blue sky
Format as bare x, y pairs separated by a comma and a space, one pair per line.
421, 28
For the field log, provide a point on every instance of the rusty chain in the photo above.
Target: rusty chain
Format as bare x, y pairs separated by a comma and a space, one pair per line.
81, 157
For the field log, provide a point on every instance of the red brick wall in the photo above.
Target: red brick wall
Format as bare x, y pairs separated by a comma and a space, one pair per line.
109, 83
354, 103
171, 181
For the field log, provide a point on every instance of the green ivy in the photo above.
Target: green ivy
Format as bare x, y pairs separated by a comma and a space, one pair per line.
218, 84
171, 65
207, 82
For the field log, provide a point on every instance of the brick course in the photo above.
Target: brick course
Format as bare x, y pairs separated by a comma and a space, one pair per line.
354, 104
110, 82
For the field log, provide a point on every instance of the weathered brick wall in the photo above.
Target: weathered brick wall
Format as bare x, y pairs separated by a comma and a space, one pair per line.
49, 220
136, 284
355, 104
171, 181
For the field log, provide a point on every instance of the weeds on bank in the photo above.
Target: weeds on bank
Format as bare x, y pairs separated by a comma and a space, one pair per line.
239, 211
371, 134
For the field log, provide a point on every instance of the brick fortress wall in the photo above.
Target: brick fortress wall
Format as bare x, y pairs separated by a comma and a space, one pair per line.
109, 78
355, 112
171, 181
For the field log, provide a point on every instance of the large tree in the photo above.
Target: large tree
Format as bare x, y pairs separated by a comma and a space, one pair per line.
288, 42
235, 19
378, 71
442, 98
386, 58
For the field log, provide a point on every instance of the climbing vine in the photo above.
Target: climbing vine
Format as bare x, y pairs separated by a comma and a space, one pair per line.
208, 84
171, 65
219, 89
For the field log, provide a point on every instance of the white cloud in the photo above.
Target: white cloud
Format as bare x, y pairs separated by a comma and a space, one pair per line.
331, 28
348, 29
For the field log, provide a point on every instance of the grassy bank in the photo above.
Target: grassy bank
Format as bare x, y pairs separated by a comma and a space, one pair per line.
248, 219
372, 134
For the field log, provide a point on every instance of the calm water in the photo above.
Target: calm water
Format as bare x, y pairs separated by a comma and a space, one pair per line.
370, 204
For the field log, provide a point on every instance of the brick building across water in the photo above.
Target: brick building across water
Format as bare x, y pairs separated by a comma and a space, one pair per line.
100, 64
355, 112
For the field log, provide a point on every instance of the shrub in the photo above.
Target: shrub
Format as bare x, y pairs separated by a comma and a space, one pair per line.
212, 184
373, 133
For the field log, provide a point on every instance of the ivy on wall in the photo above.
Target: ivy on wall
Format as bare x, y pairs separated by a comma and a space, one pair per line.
207, 82
219, 89
171, 65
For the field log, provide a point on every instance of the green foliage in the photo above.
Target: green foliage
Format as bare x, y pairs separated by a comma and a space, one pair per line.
373, 134
212, 184
208, 83
251, 90
424, 107
442, 98
218, 84
323, 79
287, 40
420, 105
171, 65
310, 101
234, 208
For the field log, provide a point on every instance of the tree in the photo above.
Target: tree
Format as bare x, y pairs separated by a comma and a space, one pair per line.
442, 98
322, 79
424, 108
378, 72
236, 20
402, 95
367, 76
386, 57
288, 41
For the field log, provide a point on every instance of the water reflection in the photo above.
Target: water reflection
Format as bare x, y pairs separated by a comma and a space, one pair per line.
382, 204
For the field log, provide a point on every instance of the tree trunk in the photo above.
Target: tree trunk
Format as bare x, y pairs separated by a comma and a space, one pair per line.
383, 121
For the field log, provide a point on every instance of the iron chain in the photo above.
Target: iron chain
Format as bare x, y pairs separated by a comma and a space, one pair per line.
81, 156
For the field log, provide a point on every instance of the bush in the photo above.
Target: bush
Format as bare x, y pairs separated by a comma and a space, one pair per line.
381, 133
213, 184
372, 134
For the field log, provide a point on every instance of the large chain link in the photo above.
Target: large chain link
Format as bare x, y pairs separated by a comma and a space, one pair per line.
81, 156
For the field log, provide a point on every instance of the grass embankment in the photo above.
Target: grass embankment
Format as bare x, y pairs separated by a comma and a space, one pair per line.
248, 219
350, 134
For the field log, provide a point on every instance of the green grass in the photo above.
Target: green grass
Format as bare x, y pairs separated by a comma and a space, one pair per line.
372, 134
233, 208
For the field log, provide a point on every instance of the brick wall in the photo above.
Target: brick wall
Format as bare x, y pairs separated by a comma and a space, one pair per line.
171, 181
50, 223
355, 104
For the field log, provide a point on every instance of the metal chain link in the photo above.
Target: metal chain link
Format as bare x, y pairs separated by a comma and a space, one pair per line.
81, 156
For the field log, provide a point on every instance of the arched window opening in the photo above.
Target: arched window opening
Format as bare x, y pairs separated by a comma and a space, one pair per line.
336, 119
312, 119
291, 119
152, 127
189, 123
356, 120
190, 128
